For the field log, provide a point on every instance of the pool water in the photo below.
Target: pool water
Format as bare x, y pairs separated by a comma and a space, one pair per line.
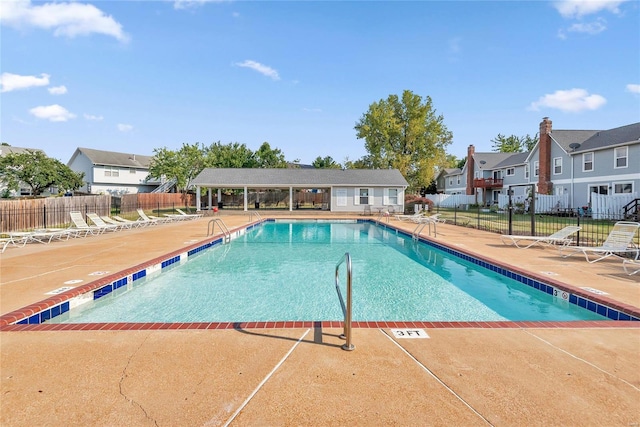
285, 271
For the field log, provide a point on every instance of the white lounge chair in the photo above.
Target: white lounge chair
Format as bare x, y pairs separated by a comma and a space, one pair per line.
559, 237
81, 226
183, 213
619, 241
46, 235
631, 263
14, 239
125, 221
119, 224
95, 218
150, 219
416, 215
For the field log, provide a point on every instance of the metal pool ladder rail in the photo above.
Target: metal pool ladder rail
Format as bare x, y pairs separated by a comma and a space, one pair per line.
423, 222
251, 215
346, 309
211, 228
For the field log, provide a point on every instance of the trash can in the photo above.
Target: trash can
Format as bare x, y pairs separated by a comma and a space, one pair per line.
219, 205
257, 204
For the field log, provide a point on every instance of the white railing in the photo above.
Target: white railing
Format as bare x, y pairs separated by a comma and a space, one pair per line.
610, 205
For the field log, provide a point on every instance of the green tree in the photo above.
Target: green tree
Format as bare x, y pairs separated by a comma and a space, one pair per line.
182, 165
513, 143
266, 157
38, 171
405, 134
326, 162
232, 155
363, 162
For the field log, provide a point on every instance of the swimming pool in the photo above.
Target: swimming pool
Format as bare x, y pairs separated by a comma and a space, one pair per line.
284, 271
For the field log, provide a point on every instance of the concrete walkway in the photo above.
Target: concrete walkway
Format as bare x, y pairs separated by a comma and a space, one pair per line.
578, 376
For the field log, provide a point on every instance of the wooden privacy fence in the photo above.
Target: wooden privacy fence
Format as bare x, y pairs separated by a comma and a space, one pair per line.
29, 214
152, 201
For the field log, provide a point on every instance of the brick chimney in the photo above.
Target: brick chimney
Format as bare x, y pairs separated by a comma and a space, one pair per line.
545, 186
470, 169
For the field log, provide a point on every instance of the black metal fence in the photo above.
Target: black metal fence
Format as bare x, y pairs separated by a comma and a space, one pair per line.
593, 232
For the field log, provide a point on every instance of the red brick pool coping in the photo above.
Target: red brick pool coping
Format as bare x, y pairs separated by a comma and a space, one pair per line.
318, 324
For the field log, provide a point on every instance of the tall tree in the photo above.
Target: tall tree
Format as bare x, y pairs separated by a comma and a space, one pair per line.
405, 134
266, 157
513, 143
326, 162
38, 171
232, 155
182, 165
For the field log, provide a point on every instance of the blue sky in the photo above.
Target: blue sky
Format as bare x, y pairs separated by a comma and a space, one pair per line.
133, 76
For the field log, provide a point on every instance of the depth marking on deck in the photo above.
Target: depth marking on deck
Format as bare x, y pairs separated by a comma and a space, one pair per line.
98, 273
592, 290
61, 290
409, 333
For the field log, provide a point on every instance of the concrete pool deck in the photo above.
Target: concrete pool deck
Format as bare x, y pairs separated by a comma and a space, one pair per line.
300, 376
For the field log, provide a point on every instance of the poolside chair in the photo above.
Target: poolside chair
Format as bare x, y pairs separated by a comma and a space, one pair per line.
95, 218
129, 222
148, 219
14, 240
80, 226
195, 215
121, 225
409, 217
46, 235
559, 237
632, 263
619, 241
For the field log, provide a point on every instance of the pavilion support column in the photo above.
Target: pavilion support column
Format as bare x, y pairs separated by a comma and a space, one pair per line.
197, 197
245, 199
219, 195
209, 196
290, 199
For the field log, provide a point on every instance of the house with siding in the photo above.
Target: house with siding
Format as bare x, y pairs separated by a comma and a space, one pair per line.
573, 164
351, 190
108, 172
24, 190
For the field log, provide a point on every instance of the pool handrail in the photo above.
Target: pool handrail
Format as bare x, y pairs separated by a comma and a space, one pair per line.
211, 228
252, 213
346, 309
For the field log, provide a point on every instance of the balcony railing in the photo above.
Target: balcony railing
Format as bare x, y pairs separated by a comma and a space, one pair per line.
487, 182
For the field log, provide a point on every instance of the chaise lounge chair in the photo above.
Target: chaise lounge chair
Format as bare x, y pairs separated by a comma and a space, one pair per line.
95, 218
149, 220
416, 215
632, 263
559, 237
619, 241
81, 226
14, 240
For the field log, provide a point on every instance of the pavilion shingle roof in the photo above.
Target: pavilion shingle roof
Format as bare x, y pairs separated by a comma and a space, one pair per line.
312, 178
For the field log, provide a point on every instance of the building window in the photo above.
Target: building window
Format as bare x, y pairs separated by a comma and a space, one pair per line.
587, 162
131, 170
458, 179
526, 171
620, 156
536, 168
364, 196
623, 188
557, 166
511, 171
111, 172
391, 196
450, 181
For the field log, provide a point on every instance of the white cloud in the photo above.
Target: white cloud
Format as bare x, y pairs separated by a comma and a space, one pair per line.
124, 128
588, 28
633, 88
10, 81
572, 100
53, 113
262, 69
186, 4
65, 19
580, 8
58, 90
92, 117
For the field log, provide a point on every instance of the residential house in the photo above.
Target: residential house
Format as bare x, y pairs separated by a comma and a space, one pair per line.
351, 190
569, 163
24, 190
108, 172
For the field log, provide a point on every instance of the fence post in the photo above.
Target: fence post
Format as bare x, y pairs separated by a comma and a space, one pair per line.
44, 216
